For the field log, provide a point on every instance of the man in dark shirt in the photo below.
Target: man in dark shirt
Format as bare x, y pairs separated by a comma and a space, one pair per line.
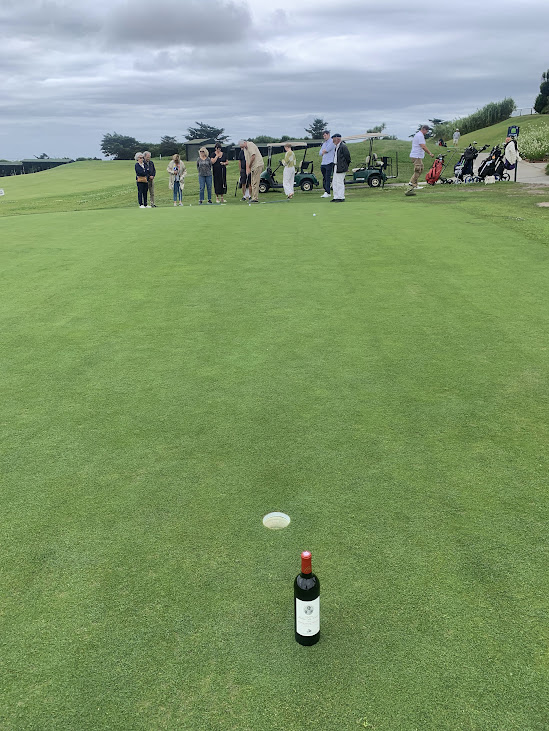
342, 159
151, 172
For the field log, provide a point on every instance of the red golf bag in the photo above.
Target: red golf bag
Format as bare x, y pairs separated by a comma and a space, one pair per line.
434, 173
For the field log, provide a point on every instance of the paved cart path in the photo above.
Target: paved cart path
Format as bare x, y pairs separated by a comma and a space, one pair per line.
527, 172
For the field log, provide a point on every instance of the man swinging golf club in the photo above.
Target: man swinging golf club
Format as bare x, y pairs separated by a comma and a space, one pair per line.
419, 148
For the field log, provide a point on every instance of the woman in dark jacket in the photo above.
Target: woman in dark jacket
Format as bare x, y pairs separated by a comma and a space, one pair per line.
219, 169
142, 179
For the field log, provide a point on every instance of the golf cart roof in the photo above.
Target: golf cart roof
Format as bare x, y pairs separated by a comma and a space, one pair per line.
275, 147
366, 136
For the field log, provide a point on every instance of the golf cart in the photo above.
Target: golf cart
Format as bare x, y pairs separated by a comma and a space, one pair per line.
304, 177
376, 170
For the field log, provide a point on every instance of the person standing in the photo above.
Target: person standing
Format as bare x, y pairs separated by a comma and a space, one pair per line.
204, 167
245, 179
342, 159
419, 148
511, 154
177, 171
289, 163
327, 165
141, 180
219, 170
456, 137
254, 166
151, 172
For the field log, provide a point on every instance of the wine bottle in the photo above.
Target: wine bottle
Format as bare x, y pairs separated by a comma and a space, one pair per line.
307, 603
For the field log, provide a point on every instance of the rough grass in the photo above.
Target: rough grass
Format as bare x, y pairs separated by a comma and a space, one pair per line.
378, 370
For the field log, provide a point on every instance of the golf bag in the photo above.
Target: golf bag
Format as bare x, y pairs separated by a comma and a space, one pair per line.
463, 171
434, 173
493, 165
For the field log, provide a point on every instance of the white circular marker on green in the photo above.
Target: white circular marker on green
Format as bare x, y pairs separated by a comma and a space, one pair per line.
276, 521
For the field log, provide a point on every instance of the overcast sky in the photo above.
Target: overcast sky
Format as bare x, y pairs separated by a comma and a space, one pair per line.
74, 70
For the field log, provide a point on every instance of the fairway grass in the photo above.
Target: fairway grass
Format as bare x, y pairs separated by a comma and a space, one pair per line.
378, 371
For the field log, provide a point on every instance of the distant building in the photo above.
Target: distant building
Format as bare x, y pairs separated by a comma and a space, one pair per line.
10, 168
33, 165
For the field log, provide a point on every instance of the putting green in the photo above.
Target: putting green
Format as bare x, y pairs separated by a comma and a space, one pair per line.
377, 371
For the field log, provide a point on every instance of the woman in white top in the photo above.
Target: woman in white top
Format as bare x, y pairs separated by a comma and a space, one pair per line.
289, 163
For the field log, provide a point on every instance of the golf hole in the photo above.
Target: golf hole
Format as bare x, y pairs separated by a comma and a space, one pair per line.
276, 521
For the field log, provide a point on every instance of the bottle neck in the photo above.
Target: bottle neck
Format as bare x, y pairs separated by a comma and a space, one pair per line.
306, 563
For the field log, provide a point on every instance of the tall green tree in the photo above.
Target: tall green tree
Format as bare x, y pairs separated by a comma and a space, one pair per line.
317, 128
541, 105
203, 131
377, 129
168, 146
120, 147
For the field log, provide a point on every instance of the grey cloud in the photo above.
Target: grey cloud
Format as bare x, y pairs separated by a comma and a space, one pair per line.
192, 23
239, 57
87, 85
46, 18
222, 58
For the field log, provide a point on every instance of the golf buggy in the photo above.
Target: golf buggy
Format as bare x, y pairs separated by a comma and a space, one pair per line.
376, 170
304, 177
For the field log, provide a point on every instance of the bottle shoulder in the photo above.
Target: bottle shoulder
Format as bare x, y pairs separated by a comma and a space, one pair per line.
307, 582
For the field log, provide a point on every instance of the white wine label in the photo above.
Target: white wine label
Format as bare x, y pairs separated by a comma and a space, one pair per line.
307, 615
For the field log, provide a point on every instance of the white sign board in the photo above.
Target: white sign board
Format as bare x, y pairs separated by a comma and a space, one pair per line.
1, 191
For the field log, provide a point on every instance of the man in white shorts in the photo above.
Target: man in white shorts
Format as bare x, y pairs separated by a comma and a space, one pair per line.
419, 148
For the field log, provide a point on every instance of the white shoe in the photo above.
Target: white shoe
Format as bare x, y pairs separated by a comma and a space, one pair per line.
175, 204
141, 206
148, 206
180, 203
325, 195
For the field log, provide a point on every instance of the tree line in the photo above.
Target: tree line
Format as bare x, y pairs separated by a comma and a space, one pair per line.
124, 147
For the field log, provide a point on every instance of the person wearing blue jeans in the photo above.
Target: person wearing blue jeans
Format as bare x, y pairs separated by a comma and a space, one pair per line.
204, 166
177, 172
327, 165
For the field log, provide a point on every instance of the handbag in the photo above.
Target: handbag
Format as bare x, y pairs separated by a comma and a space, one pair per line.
142, 179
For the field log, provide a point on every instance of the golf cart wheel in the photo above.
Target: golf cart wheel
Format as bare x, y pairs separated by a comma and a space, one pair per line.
374, 181
263, 186
476, 179
306, 185
506, 176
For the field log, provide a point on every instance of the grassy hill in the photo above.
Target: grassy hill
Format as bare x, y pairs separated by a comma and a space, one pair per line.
498, 132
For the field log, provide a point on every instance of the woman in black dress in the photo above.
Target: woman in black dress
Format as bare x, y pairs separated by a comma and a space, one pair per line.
219, 169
